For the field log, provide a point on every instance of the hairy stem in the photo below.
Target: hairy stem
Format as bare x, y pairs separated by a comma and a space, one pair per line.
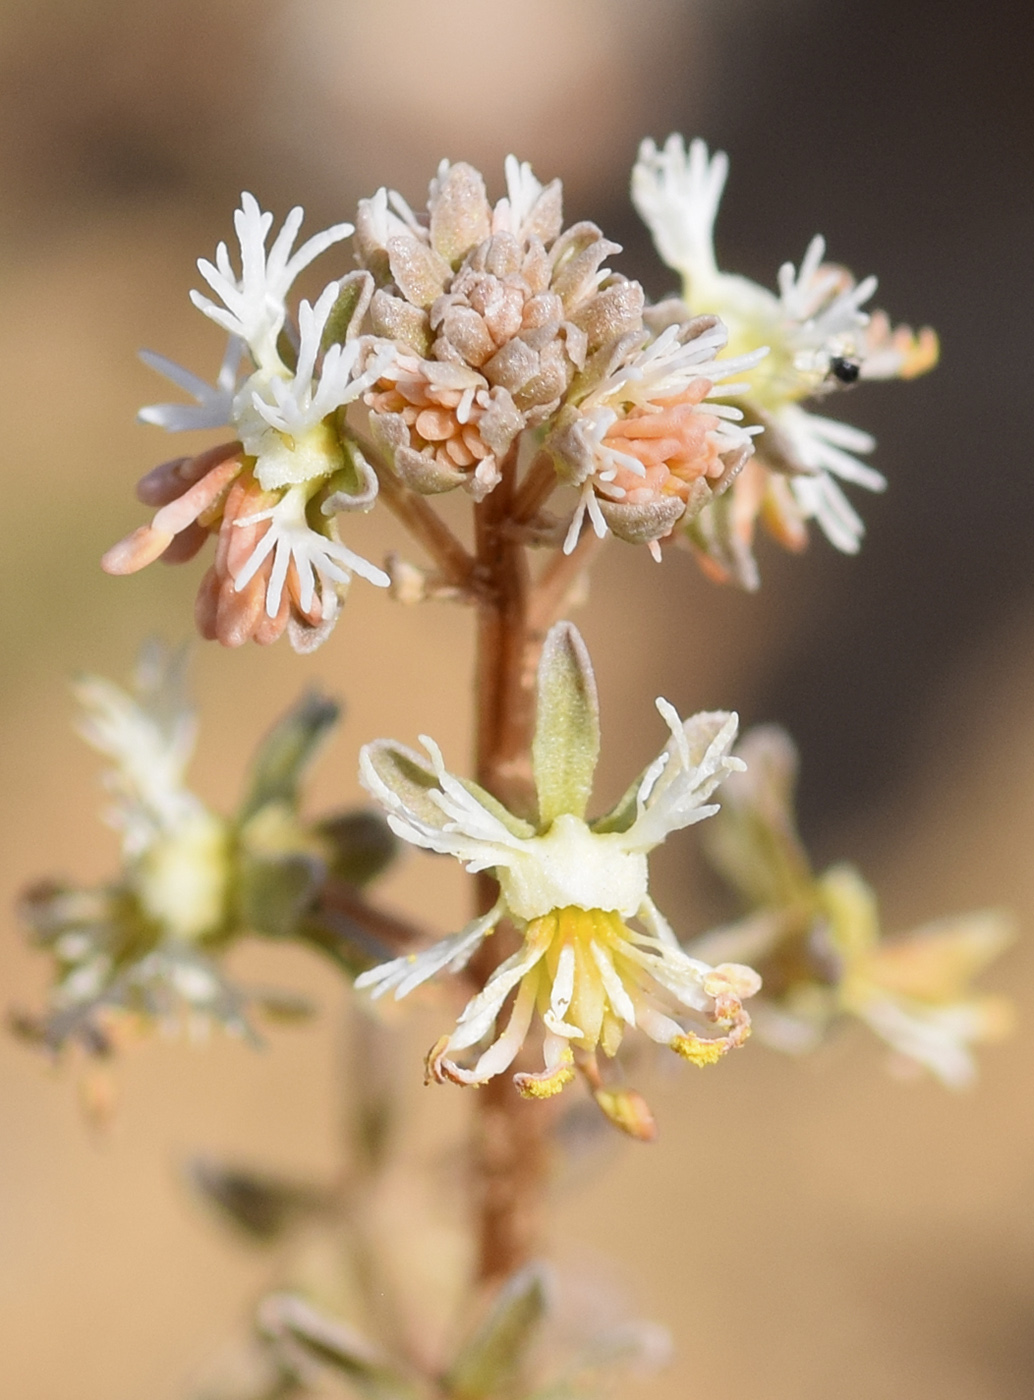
514, 614
510, 1147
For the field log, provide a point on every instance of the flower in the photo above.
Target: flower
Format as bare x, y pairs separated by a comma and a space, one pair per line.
272, 493
646, 445
818, 943
144, 946
819, 340
571, 888
254, 304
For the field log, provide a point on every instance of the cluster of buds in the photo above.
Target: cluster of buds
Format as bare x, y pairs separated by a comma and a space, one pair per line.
145, 948
817, 938
477, 339
470, 341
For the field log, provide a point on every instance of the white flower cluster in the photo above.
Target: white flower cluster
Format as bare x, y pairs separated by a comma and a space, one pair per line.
281, 414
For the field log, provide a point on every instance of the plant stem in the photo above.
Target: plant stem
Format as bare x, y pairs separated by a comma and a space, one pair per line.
510, 1147
514, 614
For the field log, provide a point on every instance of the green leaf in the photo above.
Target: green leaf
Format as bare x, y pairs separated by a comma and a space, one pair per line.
494, 1353
567, 728
306, 1334
362, 845
286, 752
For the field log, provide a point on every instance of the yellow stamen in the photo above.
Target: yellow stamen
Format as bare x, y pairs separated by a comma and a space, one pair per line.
699, 1052
545, 1085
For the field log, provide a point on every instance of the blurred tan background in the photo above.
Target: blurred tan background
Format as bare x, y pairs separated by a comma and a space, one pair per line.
804, 1230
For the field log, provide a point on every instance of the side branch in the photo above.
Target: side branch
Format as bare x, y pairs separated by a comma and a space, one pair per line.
554, 586
429, 529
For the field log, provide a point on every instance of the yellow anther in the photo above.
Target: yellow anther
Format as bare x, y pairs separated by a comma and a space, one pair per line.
548, 1083
699, 1052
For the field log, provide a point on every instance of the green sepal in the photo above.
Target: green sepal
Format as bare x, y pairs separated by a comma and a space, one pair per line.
623, 813
279, 869
360, 845
286, 752
514, 824
753, 841
411, 779
303, 1333
566, 745
494, 1354
274, 895
408, 776
850, 905
354, 293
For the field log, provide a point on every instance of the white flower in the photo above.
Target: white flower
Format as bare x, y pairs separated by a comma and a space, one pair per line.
825, 447
818, 334
254, 304
914, 991
655, 411
570, 886
317, 558
176, 848
677, 195
816, 317
668, 365
280, 418
214, 405
150, 737
818, 938
521, 212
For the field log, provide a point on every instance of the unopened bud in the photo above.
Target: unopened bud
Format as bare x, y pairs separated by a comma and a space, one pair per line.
629, 1111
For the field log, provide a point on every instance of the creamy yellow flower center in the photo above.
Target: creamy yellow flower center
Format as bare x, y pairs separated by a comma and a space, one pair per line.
290, 461
571, 865
182, 878
588, 933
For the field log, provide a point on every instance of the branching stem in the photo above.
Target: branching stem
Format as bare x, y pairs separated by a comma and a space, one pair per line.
427, 527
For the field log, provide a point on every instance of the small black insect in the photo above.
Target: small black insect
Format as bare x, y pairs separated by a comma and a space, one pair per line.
845, 370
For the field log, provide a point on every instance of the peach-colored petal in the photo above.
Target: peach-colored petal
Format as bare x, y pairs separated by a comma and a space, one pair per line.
136, 551
168, 481
206, 606
186, 545
238, 614
175, 516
